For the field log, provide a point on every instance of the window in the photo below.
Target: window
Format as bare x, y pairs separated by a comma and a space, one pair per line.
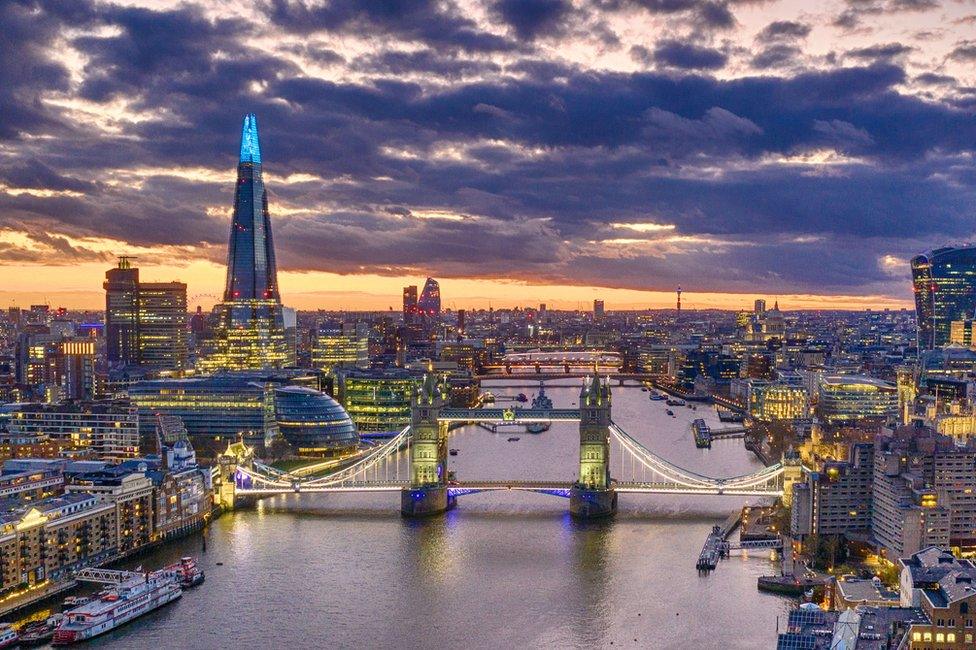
969, 637
951, 637
927, 636
916, 636
940, 637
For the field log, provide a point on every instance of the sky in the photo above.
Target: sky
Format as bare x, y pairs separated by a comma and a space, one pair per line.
520, 151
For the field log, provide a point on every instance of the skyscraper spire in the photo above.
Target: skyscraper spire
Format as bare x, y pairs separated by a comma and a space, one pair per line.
251, 270
250, 333
250, 147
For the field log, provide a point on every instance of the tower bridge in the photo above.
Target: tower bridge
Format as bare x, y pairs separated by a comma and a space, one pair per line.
415, 462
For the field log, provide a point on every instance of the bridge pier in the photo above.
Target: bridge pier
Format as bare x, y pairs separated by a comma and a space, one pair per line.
426, 501
592, 504
593, 496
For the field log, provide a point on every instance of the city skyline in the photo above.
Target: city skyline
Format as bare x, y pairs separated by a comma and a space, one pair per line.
518, 152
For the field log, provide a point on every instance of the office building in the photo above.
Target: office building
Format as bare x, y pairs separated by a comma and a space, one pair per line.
215, 410
778, 401
944, 281
250, 332
122, 313
377, 400
344, 345
409, 303
598, 310
145, 322
429, 303
846, 399
313, 423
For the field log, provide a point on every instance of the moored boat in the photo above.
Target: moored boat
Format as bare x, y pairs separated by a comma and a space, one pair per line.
130, 596
8, 635
40, 632
187, 572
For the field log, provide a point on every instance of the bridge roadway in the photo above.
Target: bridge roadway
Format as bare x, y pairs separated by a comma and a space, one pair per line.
559, 487
513, 414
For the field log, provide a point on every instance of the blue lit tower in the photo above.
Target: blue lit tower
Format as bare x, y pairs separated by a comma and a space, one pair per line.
251, 270
251, 334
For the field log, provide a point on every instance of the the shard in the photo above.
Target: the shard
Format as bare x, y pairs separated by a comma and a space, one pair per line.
251, 270
250, 333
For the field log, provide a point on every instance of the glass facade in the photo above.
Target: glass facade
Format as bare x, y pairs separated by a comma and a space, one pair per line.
429, 303
251, 332
345, 346
222, 407
945, 290
377, 400
313, 423
846, 399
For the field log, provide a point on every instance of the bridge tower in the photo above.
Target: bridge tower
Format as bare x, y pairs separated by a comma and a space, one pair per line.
792, 473
237, 454
593, 495
427, 494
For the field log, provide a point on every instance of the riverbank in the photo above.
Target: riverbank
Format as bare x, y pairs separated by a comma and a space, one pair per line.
17, 603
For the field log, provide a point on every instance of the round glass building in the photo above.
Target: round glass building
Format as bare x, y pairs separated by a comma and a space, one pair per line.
313, 423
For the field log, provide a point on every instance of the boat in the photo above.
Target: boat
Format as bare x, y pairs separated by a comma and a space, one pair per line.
75, 601
643, 389
133, 595
187, 572
676, 402
453, 452
542, 402
656, 396
514, 439
670, 412
8, 635
521, 398
40, 632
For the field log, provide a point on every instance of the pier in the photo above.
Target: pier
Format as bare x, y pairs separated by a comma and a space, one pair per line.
715, 549
704, 435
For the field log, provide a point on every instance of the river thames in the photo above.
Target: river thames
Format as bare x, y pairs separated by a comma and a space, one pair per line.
504, 569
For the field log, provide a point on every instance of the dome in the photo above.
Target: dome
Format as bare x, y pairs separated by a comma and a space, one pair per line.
312, 422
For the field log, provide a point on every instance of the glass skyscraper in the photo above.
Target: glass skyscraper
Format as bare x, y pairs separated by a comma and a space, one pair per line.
429, 303
251, 331
945, 291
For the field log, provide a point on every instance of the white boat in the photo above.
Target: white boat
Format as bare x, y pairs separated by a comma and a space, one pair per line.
132, 596
8, 635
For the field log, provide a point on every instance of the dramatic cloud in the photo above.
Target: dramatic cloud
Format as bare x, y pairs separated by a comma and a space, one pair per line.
619, 143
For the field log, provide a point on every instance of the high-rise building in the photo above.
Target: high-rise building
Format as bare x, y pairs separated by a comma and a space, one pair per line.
122, 313
429, 303
599, 311
250, 333
759, 308
162, 325
945, 290
145, 322
343, 345
409, 303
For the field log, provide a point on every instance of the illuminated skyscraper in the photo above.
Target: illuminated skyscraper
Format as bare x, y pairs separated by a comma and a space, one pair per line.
429, 303
409, 303
145, 322
122, 313
945, 290
251, 331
